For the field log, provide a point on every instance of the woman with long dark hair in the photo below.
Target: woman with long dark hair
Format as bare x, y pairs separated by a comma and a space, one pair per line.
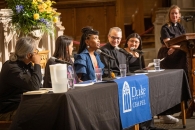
87, 59
63, 51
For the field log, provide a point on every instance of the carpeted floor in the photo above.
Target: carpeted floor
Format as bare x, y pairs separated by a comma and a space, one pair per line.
166, 126
190, 124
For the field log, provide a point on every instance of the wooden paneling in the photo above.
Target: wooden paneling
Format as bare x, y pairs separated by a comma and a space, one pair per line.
2, 4
120, 15
67, 18
130, 7
44, 58
110, 18
89, 16
84, 3
101, 15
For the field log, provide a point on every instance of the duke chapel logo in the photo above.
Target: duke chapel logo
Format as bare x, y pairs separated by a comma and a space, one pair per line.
126, 92
132, 97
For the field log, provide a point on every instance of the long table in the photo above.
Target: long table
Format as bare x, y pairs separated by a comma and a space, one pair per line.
96, 107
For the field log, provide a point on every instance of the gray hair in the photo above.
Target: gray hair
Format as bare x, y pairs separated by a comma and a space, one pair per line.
116, 29
23, 46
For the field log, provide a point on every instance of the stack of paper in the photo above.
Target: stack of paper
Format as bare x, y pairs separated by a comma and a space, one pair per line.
36, 92
83, 84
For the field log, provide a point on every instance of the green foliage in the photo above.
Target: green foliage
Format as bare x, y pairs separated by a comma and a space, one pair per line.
30, 14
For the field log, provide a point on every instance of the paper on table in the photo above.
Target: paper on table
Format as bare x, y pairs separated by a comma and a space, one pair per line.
140, 73
155, 70
36, 92
48, 89
152, 64
83, 84
149, 71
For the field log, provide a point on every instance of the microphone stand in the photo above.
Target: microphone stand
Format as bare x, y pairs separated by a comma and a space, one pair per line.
140, 64
140, 61
127, 63
109, 74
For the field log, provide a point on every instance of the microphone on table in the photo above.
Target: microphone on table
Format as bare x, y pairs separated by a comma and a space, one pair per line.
104, 54
128, 55
61, 61
187, 18
109, 58
140, 61
123, 51
136, 50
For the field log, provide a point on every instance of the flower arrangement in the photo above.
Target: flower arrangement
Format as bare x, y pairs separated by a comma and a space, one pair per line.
32, 14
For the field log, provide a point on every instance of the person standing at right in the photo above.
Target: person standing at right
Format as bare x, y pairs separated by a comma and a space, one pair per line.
174, 57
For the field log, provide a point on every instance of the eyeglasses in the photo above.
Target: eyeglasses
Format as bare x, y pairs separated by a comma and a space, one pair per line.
113, 38
36, 51
132, 41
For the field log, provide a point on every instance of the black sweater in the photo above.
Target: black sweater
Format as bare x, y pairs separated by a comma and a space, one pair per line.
16, 78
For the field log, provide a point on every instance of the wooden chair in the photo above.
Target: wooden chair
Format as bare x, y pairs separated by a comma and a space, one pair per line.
44, 57
4, 125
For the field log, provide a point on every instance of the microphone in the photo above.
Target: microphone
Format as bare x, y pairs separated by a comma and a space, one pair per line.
136, 50
187, 18
61, 61
104, 54
123, 51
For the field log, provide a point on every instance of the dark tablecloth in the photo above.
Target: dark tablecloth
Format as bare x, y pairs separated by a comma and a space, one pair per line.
95, 107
